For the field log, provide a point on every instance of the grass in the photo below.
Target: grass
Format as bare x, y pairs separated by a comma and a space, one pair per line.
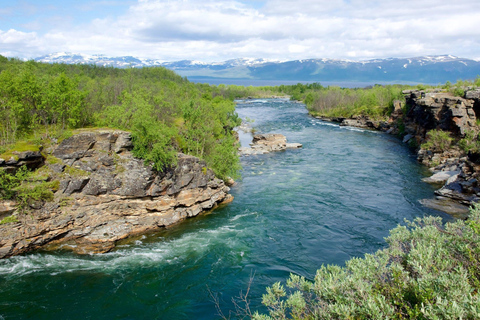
9, 219
19, 146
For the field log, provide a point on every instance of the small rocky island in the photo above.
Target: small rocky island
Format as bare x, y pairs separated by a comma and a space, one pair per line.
266, 143
104, 195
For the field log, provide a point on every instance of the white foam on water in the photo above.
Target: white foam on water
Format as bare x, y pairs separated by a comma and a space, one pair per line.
328, 124
189, 246
239, 216
355, 129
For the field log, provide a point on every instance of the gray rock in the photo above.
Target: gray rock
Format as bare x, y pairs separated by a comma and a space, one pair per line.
114, 197
441, 177
76, 185
407, 138
443, 204
265, 143
75, 147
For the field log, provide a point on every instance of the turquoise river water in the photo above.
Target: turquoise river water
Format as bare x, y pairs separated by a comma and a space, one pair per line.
334, 199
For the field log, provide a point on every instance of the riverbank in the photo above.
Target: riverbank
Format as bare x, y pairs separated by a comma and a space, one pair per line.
103, 195
455, 170
294, 210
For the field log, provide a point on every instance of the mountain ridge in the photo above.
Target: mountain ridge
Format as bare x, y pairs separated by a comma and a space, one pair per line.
429, 69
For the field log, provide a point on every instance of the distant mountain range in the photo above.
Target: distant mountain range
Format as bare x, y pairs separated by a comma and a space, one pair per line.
426, 69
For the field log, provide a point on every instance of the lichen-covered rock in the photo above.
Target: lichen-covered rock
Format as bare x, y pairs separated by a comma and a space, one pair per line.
106, 195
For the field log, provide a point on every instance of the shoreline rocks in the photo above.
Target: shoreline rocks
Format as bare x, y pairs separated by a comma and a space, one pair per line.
458, 172
107, 195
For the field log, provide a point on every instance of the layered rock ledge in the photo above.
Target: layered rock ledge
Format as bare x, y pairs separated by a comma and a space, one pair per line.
106, 195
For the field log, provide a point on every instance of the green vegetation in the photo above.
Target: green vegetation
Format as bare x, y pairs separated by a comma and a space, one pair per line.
165, 113
9, 182
375, 102
26, 187
458, 89
9, 219
428, 271
471, 142
19, 146
437, 141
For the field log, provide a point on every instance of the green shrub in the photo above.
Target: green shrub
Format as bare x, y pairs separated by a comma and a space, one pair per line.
28, 192
374, 102
8, 182
470, 143
437, 141
428, 271
25, 186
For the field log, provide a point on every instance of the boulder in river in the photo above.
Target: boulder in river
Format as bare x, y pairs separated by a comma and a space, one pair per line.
265, 143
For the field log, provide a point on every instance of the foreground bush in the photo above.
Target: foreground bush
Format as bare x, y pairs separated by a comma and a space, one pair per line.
428, 271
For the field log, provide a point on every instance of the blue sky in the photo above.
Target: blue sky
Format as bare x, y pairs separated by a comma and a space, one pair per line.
208, 30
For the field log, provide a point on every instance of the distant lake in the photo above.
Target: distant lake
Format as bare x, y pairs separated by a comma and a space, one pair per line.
261, 83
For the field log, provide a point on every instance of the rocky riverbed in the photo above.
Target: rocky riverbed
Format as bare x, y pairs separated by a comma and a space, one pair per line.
105, 195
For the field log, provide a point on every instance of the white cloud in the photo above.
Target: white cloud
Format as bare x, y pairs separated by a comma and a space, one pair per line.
218, 30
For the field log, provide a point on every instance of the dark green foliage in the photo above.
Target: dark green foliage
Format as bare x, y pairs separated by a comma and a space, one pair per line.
25, 187
471, 142
428, 271
31, 191
9, 182
165, 113
437, 141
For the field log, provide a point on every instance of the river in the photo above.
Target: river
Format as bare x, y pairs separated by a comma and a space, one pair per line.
331, 200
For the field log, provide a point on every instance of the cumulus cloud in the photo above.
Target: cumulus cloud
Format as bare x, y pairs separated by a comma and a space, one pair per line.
219, 30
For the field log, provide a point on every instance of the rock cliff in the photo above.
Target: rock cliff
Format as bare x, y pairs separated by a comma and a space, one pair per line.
456, 171
105, 195
440, 110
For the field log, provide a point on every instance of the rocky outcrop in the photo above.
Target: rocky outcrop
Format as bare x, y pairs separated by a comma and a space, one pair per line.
106, 195
265, 143
457, 172
30, 159
441, 110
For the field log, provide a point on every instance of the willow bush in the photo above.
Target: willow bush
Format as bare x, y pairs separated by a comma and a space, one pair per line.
428, 271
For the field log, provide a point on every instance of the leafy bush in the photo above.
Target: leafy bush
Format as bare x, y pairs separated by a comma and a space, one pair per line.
165, 113
25, 187
9, 182
29, 192
437, 141
470, 143
428, 271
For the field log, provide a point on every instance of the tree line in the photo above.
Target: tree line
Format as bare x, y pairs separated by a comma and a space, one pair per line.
165, 113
